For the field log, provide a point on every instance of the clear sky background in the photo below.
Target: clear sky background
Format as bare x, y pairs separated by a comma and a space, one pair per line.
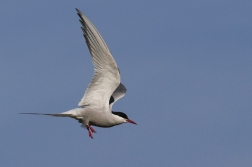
187, 66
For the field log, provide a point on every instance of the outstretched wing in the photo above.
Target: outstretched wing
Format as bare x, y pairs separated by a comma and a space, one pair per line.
106, 74
117, 94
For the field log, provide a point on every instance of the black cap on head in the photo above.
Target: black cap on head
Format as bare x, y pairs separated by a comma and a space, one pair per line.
120, 114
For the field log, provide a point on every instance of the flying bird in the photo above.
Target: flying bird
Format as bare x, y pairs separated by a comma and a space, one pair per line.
105, 88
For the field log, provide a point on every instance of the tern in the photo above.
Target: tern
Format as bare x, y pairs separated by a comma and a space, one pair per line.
104, 89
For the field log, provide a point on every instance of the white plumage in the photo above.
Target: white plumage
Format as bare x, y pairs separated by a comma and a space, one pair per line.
103, 90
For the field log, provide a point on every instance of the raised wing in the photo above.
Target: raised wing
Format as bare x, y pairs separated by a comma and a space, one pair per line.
117, 94
106, 74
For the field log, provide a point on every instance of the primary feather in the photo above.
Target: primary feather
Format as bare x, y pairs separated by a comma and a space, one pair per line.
106, 74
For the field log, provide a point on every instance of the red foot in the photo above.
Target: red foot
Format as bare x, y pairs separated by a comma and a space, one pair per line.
92, 129
90, 134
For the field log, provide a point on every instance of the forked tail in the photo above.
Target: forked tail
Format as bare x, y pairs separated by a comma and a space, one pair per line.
55, 115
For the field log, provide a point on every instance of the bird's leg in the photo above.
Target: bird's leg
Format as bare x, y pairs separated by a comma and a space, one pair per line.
90, 134
92, 129
89, 131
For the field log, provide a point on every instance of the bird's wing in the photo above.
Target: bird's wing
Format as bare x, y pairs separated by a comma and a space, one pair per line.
117, 94
106, 74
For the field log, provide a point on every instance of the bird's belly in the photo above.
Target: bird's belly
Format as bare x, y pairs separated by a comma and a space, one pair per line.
100, 119
101, 123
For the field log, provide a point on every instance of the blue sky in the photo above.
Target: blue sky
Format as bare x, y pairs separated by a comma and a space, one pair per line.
186, 66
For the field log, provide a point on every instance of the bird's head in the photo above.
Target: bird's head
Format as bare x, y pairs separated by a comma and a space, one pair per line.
124, 116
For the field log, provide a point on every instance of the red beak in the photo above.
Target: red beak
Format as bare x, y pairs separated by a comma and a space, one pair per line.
130, 121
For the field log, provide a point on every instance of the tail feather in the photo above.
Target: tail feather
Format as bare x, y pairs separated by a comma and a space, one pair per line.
55, 115
74, 113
